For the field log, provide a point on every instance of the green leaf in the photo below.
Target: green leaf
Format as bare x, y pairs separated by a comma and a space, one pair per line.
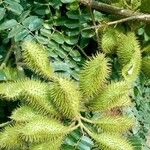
24, 15
14, 7
17, 29
73, 6
72, 24
136, 142
71, 40
59, 51
98, 15
45, 32
42, 40
60, 66
8, 24
75, 55
21, 35
2, 13
72, 32
35, 24
58, 37
29, 21
87, 33
73, 14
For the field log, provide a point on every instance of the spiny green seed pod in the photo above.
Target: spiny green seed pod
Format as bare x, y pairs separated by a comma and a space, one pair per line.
10, 90
127, 45
131, 71
36, 94
33, 92
112, 142
146, 66
9, 138
109, 41
25, 114
66, 97
122, 101
116, 124
109, 97
55, 145
36, 58
94, 74
42, 130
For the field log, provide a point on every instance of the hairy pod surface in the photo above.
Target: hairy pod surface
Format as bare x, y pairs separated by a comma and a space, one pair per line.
94, 75
36, 58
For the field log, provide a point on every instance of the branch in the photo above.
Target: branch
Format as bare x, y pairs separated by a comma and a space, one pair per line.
6, 58
118, 21
99, 6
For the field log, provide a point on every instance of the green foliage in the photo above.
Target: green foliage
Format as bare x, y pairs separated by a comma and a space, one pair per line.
62, 29
141, 96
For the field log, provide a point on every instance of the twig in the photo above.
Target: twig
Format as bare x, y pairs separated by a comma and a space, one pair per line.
82, 51
87, 131
99, 6
81, 125
132, 18
94, 23
86, 120
7, 57
74, 128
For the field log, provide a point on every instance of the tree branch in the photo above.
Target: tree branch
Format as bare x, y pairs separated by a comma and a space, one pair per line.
99, 6
117, 21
